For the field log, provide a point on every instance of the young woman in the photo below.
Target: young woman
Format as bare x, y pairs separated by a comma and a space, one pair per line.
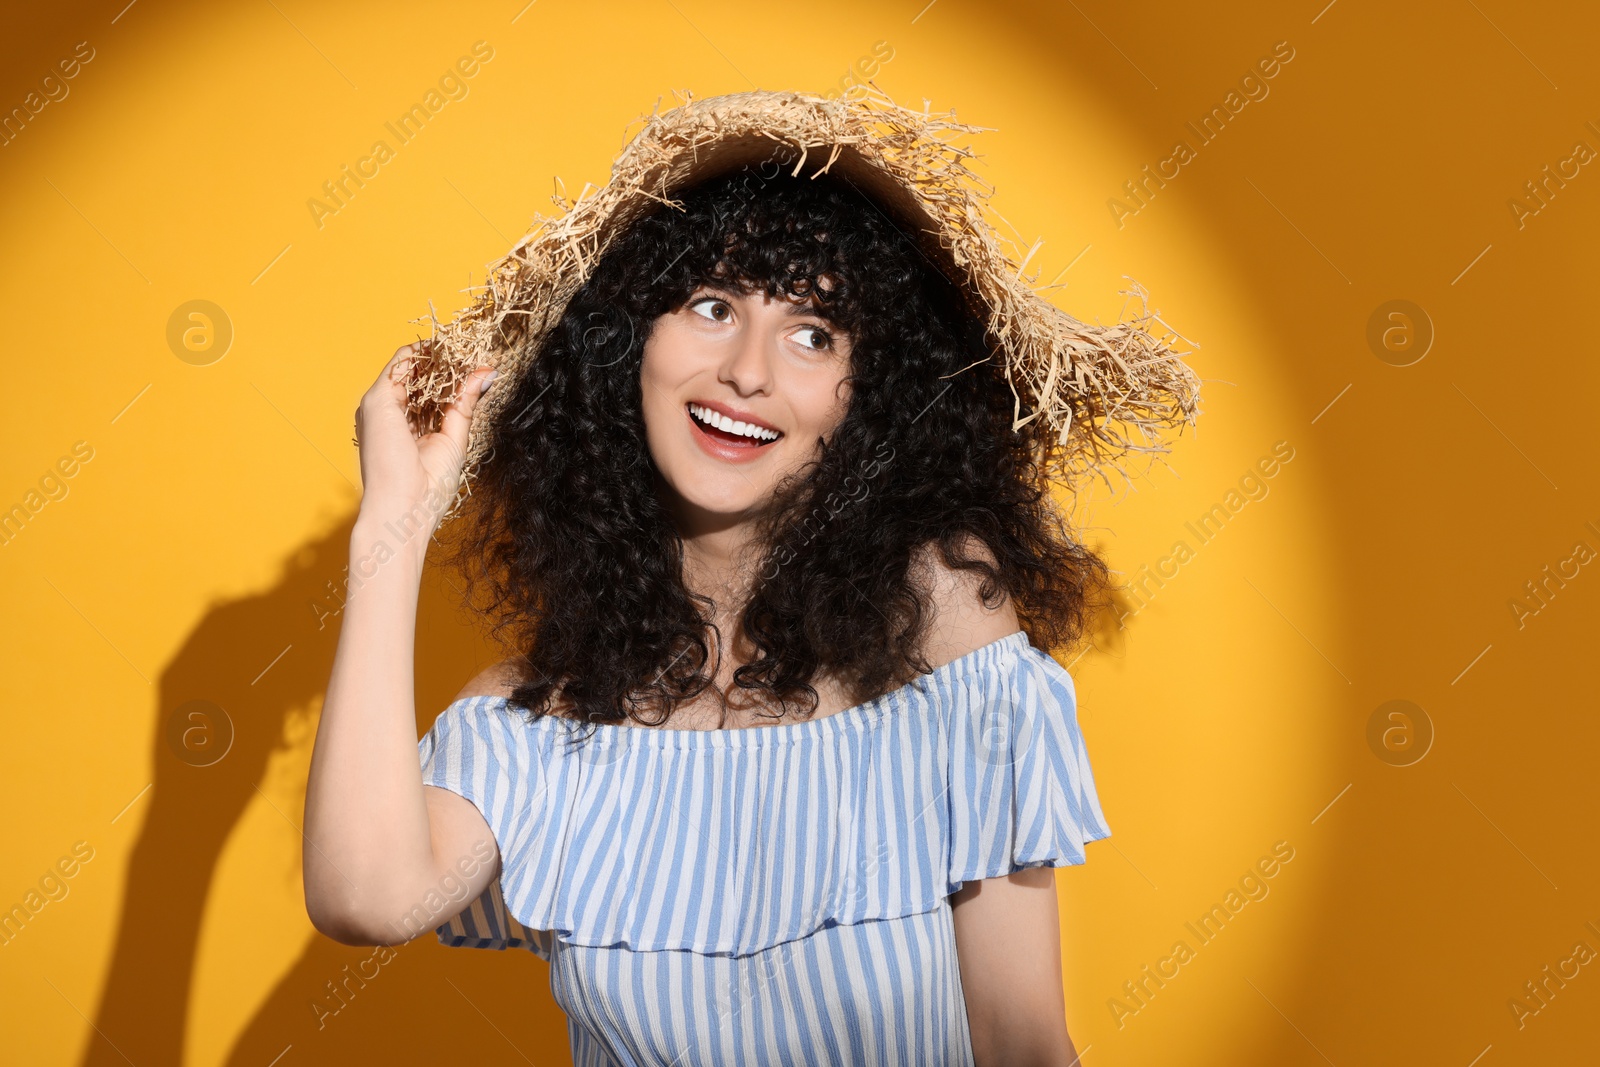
780, 766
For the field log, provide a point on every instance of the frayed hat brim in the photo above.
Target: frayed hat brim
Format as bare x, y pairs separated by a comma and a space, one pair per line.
1100, 393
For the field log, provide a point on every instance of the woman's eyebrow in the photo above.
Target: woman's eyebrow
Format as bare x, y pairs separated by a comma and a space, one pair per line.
806, 307
810, 308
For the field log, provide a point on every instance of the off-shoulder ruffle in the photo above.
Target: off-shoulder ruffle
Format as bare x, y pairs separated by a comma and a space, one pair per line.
733, 841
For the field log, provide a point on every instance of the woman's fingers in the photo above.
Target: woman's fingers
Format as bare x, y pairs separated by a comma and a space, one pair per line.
389, 389
459, 411
392, 474
400, 465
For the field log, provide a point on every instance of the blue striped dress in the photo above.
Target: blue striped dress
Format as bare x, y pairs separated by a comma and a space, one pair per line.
771, 894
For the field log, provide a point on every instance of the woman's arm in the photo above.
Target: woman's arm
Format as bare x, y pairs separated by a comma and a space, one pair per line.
1007, 936
378, 848
1008, 939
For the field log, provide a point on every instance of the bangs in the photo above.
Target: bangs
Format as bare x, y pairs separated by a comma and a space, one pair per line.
814, 241
802, 290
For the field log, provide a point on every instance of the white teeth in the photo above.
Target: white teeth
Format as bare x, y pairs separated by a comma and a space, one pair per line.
722, 422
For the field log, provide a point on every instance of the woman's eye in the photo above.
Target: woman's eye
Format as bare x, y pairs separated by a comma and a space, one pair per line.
821, 339
720, 305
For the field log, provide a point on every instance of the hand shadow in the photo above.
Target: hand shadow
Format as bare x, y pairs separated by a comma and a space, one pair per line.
257, 658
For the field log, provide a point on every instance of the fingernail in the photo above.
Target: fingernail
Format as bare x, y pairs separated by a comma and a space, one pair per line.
483, 386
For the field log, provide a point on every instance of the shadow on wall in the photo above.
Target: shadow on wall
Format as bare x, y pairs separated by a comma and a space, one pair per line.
337, 1004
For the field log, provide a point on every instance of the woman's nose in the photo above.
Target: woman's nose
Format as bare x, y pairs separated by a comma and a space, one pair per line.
748, 367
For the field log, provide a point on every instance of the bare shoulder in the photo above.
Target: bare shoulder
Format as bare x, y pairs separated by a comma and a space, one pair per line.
960, 621
497, 680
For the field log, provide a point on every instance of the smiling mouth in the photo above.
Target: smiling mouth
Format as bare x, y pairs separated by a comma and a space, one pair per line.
719, 427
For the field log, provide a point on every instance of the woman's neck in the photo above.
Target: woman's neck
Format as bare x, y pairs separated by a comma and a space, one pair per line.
720, 556
721, 564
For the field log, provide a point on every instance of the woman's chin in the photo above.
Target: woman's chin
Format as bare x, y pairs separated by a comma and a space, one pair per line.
730, 507
712, 503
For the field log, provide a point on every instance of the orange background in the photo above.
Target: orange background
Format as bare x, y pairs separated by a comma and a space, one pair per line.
185, 558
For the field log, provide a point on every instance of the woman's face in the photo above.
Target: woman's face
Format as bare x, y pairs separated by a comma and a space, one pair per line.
737, 388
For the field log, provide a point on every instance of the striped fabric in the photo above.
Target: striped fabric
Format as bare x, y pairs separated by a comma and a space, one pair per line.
775, 893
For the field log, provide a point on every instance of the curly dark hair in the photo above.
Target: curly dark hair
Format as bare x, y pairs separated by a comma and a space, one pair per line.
566, 543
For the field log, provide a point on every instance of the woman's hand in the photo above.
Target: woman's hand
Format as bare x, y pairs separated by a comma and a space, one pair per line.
376, 841
399, 468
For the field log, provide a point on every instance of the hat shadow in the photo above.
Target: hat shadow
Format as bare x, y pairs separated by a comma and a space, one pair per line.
261, 659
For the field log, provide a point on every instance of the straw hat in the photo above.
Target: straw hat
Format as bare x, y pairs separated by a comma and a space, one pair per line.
1102, 392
